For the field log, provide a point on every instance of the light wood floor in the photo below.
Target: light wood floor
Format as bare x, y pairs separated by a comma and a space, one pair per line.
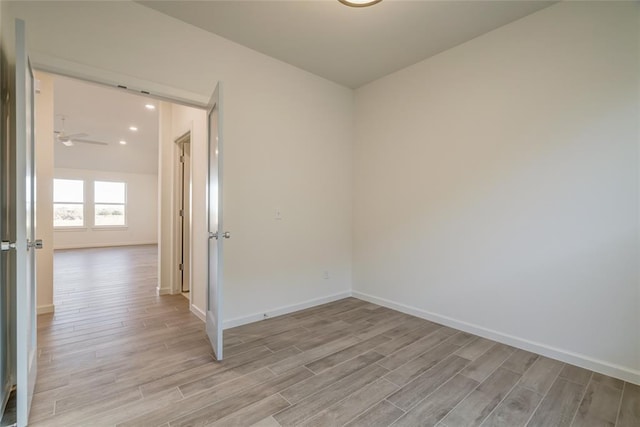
117, 354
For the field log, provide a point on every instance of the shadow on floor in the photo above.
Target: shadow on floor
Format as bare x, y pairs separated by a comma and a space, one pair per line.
9, 417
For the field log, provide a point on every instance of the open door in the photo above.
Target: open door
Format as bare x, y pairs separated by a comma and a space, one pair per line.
19, 224
216, 236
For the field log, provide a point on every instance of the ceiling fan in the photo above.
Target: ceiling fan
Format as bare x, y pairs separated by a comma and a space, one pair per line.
69, 140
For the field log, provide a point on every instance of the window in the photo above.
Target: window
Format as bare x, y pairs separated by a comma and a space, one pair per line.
68, 203
110, 203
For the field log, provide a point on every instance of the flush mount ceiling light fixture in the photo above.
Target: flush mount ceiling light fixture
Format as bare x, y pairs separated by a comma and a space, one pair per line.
359, 3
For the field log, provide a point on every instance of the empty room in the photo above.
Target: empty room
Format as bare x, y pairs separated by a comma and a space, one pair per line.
362, 213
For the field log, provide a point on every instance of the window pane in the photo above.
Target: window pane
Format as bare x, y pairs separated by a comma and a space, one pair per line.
67, 215
110, 215
68, 190
109, 192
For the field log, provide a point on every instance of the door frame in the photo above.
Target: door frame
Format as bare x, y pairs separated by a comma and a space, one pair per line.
161, 92
158, 91
180, 221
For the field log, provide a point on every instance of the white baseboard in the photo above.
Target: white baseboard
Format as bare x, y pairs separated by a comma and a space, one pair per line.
45, 309
101, 245
279, 311
199, 313
601, 366
164, 291
168, 291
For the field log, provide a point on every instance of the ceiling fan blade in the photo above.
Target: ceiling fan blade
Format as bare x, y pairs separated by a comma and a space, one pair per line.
89, 141
76, 135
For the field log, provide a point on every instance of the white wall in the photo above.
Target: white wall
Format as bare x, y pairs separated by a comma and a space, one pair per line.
166, 170
44, 195
141, 214
496, 186
288, 140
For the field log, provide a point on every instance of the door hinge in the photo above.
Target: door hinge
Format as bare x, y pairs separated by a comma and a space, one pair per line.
6, 245
181, 159
180, 267
181, 213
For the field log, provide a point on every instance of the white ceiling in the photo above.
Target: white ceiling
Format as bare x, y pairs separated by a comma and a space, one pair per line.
105, 114
350, 46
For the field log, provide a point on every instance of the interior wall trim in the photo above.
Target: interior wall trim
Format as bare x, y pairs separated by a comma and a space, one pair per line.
622, 372
64, 67
279, 311
163, 291
199, 313
45, 309
101, 245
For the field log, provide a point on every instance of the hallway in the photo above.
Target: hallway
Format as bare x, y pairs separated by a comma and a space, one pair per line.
111, 334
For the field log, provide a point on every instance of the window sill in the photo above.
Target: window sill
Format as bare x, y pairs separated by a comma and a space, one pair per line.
110, 227
70, 229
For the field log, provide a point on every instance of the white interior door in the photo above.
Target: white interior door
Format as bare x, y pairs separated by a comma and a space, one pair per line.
26, 328
216, 234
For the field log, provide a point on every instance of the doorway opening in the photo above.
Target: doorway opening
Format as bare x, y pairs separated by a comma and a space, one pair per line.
99, 203
97, 168
116, 169
183, 216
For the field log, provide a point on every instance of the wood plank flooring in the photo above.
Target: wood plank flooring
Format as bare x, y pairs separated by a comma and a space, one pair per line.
114, 353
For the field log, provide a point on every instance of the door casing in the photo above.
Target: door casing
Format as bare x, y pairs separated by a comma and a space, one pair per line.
182, 225
130, 84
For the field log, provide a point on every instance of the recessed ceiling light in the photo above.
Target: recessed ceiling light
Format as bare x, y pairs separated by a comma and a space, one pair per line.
123, 142
133, 128
359, 3
150, 106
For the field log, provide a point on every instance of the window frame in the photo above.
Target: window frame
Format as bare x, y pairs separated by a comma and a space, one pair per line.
82, 226
124, 205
